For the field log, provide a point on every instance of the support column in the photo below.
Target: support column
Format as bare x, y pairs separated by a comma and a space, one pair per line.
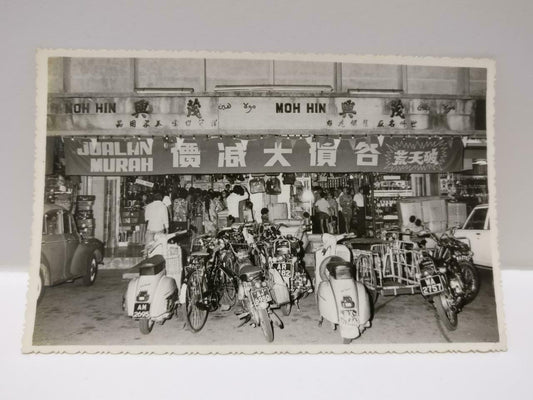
111, 210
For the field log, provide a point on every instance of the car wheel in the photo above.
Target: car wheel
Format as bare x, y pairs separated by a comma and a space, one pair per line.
92, 271
40, 285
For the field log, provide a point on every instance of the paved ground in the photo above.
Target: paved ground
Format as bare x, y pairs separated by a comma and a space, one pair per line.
72, 314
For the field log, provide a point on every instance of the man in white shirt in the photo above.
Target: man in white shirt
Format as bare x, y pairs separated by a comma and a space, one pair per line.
156, 216
236, 196
323, 212
359, 201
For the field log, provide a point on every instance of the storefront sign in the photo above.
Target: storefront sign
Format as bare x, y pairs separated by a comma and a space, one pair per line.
321, 154
144, 183
235, 115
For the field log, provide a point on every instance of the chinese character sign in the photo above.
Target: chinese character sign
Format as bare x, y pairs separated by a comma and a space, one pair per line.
273, 154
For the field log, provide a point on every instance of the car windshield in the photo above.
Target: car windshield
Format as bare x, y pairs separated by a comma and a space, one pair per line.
477, 219
51, 223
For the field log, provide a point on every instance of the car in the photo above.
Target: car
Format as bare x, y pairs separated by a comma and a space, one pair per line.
476, 230
65, 254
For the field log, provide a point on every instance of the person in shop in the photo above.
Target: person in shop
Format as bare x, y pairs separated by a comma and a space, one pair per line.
180, 210
156, 217
322, 211
214, 205
248, 211
334, 211
238, 194
265, 218
230, 220
197, 210
359, 204
346, 210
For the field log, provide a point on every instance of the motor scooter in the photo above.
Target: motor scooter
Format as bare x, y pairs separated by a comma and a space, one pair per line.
341, 300
154, 294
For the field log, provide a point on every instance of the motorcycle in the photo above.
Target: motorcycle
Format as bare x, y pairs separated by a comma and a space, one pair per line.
257, 294
286, 257
453, 260
156, 293
342, 300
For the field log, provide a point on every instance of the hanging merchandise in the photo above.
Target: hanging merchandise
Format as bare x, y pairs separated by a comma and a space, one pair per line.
289, 179
273, 186
257, 185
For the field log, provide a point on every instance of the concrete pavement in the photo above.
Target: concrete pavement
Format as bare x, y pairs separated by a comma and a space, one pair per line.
71, 314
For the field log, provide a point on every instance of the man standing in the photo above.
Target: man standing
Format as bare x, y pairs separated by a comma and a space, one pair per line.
236, 196
359, 201
323, 212
346, 204
156, 216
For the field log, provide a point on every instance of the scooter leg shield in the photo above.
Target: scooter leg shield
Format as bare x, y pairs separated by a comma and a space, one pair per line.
166, 288
327, 307
364, 304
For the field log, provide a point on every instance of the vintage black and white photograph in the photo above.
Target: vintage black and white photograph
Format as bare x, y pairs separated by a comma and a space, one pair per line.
241, 203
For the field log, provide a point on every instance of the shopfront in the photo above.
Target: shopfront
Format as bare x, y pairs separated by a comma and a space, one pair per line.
389, 147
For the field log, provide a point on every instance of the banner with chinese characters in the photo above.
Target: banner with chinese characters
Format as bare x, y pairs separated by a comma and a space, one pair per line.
162, 115
153, 156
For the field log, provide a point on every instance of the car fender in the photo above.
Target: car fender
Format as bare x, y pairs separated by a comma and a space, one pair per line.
80, 260
46, 270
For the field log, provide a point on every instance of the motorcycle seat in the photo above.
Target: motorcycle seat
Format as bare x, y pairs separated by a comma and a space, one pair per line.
151, 266
339, 268
250, 272
200, 254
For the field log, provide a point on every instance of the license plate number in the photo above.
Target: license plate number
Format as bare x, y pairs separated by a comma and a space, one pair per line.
348, 317
141, 310
431, 285
260, 296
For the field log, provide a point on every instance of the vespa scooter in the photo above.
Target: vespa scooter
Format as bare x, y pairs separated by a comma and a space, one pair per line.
153, 295
341, 300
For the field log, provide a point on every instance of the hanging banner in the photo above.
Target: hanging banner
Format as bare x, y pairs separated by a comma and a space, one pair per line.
153, 156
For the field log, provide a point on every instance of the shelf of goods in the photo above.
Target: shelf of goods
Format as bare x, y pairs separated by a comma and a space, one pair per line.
386, 193
132, 229
84, 215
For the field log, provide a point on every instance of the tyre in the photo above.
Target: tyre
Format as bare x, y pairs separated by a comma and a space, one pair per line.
146, 325
195, 316
346, 341
92, 270
364, 273
471, 281
446, 315
40, 285
266, 325
286, 309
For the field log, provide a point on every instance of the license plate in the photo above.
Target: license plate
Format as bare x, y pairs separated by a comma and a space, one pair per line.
348, 317
260, 295
141, 310
431, 285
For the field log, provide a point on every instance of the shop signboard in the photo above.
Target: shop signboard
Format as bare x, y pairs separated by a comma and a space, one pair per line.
151, 156
167, 115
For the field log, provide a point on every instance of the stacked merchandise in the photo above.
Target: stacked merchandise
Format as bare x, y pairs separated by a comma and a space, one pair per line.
58, 191
84, 216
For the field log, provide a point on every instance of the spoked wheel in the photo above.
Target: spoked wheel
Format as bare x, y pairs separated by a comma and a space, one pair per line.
266, 325
228, 287
146, 325
444, 311
470, 279
195, 310
367, 276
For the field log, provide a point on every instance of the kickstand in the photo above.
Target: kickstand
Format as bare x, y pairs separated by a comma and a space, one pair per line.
320, 321
246, 317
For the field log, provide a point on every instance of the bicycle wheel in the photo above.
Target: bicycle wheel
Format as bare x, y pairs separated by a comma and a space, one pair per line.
367, 276
195, 310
